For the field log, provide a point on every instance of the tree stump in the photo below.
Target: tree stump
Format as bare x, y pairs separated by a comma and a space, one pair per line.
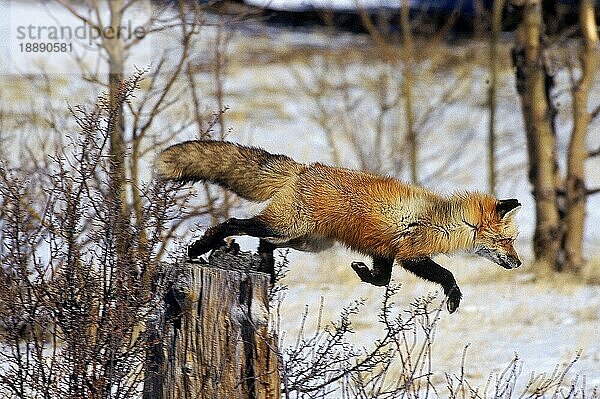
210, 337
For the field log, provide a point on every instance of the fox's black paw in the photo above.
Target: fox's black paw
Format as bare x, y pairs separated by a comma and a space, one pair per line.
232, 247
454, 296
202, 246
367, 275
362, 270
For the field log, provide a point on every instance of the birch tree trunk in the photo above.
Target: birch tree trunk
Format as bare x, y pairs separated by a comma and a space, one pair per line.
407, 85
575, 184
534, 84
494, 37
116, 59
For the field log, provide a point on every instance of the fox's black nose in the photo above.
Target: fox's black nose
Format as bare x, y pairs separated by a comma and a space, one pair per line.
510, 262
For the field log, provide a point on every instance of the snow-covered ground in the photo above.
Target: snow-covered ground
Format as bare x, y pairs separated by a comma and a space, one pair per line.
545, 322
301, 5
503, 314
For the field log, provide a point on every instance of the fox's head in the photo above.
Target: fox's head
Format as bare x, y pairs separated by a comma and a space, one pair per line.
496, 233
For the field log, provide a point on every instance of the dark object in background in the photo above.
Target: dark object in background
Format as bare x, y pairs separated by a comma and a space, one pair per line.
426, 15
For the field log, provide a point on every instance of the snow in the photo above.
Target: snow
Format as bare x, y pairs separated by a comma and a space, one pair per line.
303, 5
355, 5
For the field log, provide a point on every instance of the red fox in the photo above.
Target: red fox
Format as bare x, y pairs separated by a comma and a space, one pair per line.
312, 206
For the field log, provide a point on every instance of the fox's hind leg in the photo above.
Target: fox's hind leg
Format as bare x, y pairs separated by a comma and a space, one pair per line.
267, 261
380, 274
214, 236
429, 270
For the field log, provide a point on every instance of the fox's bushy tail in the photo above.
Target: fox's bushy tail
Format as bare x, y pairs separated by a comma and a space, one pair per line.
252, 173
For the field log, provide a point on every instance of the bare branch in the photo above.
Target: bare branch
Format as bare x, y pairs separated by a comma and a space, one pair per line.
592, 191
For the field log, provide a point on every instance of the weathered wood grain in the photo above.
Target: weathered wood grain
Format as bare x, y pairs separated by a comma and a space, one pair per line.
211, 338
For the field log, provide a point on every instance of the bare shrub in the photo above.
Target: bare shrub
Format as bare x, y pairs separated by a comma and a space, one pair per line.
77, 281
325, 363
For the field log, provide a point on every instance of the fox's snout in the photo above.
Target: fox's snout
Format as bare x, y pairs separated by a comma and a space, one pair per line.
506, 260
511, 259
510, 262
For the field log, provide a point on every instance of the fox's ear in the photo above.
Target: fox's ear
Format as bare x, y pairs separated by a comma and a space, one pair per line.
504, 207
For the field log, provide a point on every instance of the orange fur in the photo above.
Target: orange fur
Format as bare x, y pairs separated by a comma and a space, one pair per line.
382, 216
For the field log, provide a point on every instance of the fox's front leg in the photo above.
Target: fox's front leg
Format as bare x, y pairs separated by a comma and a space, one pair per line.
429, 270
380, 274
214, 236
